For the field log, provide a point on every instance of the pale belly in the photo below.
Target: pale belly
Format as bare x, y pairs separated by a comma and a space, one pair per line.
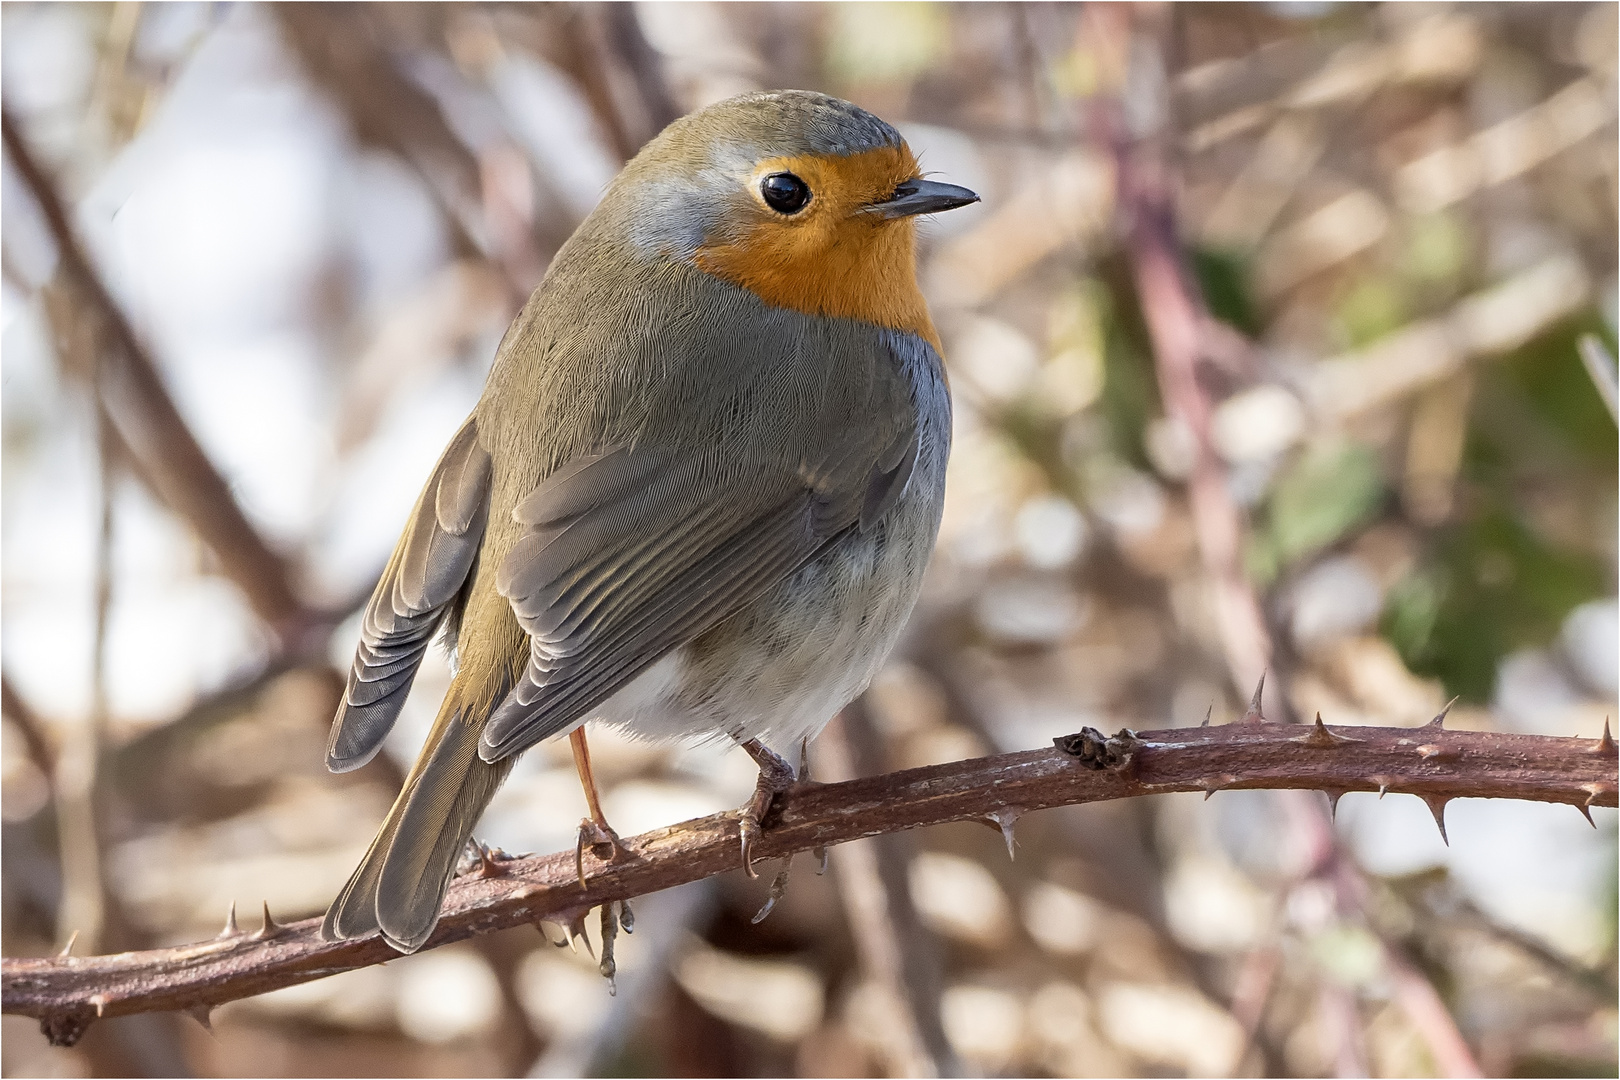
780, 669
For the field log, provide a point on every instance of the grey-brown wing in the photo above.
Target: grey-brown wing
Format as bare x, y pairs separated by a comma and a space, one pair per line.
428, 569
633, 552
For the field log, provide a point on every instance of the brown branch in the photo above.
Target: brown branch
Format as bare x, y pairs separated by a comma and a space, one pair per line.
345, 50
1178, 325
67, 993
167, 456
41, 747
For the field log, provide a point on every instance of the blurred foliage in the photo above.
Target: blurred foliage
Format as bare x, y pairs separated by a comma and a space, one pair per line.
1369, 309
1490, 586
1493, 582
1319, 499
1548, 375
1130, 397
1223, 277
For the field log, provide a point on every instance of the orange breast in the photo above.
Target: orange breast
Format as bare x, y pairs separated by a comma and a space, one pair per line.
829, 259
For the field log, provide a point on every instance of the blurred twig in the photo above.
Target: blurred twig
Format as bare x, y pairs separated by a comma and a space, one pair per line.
1600, 366
1422, 1003
82, 911
601, 46
873, 877
40, 747
340, 48
68, 993
146, 420
1176, 319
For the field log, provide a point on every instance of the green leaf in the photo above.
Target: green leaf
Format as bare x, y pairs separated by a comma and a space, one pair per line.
1327, 492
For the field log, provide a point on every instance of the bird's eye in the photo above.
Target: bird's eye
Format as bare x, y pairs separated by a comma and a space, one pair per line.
784, 192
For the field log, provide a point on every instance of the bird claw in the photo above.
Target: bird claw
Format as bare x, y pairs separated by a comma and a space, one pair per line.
778, 890
775, 777
600, 838
748, 829
609, 967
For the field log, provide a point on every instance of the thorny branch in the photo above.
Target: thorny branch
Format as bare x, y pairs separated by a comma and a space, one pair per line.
67, 993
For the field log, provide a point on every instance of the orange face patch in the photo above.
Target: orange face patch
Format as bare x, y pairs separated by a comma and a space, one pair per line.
829, 258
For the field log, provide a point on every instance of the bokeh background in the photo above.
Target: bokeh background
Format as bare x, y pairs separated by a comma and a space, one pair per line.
1379, 469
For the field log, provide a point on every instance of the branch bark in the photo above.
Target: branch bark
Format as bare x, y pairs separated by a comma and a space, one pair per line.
66, 994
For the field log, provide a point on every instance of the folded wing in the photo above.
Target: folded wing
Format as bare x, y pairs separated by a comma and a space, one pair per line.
428, 570
634, 551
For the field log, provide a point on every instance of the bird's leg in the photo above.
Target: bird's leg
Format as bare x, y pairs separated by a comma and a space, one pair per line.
594, 830
775, 777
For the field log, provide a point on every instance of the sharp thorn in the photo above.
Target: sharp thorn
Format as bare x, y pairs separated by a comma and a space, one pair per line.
1587, 814
1006, 819
201, 1014
1254, 714
100, 1002
67, 950
1209, 712
230, 929
1333, 797
576, 933
1440, 718
1319, 736
1383, 785
1437, 807
1606, 743
270, 929
487, 866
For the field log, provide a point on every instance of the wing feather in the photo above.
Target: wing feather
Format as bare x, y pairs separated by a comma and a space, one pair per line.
425, 575
636, 548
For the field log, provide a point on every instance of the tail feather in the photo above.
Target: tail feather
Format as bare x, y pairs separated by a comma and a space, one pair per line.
400, 884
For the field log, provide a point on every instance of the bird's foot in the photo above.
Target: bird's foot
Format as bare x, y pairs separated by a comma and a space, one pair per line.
779, 884
615, 917
600, 838
775, 777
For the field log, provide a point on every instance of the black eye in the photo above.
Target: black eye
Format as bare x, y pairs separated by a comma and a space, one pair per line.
784, 192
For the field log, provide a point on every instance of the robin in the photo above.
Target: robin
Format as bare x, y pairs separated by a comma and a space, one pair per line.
696, 498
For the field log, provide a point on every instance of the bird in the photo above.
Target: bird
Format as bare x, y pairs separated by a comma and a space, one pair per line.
695, 499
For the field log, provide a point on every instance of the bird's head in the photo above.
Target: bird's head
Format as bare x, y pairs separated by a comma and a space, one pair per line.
805, 200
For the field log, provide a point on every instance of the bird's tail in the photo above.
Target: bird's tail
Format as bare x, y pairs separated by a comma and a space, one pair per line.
400, 884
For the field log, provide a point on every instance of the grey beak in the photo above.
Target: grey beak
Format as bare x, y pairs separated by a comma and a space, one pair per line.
922, 197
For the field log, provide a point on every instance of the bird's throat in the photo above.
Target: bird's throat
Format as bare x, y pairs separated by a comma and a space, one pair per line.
836, 262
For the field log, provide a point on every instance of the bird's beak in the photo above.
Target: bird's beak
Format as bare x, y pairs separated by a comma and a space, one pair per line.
921, 197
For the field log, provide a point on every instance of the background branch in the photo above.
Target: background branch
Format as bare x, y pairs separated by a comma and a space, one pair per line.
168, 457
67, 993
